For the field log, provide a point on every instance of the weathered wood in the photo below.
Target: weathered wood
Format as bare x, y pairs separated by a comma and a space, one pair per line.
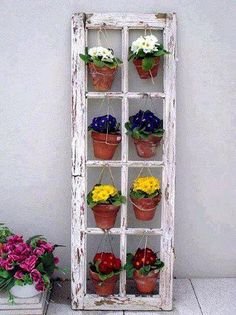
128, 94
79, 117
120, 20
168, 180
81, 24
98, 163
127, 231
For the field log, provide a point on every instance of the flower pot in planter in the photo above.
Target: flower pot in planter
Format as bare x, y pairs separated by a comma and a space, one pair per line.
105, 215
145, 208
146, 148
103, 288
147, 74
102, 76
25, 291
146, 284
104, 145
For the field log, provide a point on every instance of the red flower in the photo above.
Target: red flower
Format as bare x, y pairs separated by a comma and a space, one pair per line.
98, 257
117, 264
56, 260
47, 246
104, 268
40, 286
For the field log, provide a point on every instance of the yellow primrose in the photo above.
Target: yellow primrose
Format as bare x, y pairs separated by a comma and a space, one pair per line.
103, 192
147, 184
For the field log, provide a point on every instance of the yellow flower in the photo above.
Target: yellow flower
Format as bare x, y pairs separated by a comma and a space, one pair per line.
103, 192
147, 184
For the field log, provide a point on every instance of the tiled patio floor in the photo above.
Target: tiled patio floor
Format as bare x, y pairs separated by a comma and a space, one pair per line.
191, 297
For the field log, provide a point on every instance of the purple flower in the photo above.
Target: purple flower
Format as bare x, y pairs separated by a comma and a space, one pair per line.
7, 264
36, 275
103, 124
29, 263
19, 275
145, 121
14, 239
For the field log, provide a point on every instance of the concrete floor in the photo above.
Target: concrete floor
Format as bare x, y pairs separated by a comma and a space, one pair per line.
191, 297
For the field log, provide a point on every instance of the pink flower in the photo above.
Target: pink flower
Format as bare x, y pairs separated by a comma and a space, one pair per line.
7, 264
19, 275
29, 263
14, 239
36, 275
40, 286
39, 251
56, 260
47, 246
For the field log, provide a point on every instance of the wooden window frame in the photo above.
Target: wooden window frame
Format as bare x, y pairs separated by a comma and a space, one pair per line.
81, 24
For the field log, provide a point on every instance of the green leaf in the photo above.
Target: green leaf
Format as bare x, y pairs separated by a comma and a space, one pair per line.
40, 268
19, 282
147, 63
5, 274
98, 63
85, 58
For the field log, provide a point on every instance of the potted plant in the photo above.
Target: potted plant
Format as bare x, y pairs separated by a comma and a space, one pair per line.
104, 271
102, 65
146, 129
145, 52
26, 267
106, 136
105, 201
145, 194
144, 268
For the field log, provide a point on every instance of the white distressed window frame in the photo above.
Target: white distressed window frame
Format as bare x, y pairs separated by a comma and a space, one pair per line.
81, 23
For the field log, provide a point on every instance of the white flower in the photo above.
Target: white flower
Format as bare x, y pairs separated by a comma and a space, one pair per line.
99, 51
92, 51
147, 43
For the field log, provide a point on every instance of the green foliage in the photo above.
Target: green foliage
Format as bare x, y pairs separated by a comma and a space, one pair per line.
145, 270
4, 233
116, 200
147, 58
138, 133
110, 63
102, 276
47, 264
139, 194
32, 241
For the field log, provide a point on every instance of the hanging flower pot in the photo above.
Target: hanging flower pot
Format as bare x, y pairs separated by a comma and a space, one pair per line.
145, 195
146, 130
102, 66
146, 284
146, 148
144, 267
146, 74
145, 53
105, 201
105, 215
106, 136
104, 272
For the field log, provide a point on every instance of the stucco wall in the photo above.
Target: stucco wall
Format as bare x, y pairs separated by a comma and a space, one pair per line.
35, 124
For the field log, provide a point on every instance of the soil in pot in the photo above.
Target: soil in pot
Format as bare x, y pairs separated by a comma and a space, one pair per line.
147, 74
146, 284
103, 288
105, 215
146, 148
102, 77
105, 145
145, 208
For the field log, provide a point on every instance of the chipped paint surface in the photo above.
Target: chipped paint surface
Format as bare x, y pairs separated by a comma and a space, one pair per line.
81, 23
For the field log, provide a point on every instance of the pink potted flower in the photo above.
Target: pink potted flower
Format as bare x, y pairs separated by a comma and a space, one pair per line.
26, 266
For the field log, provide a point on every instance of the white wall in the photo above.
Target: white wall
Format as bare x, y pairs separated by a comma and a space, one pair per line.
35, 124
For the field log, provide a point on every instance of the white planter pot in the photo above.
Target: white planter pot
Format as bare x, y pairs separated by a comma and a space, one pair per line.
26, 291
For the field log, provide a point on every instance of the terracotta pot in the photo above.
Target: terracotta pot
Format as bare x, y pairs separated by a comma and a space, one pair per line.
146, 284
147, 74
146, 148
105, 215
103, 288
102, 77
145, 208
104, 145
